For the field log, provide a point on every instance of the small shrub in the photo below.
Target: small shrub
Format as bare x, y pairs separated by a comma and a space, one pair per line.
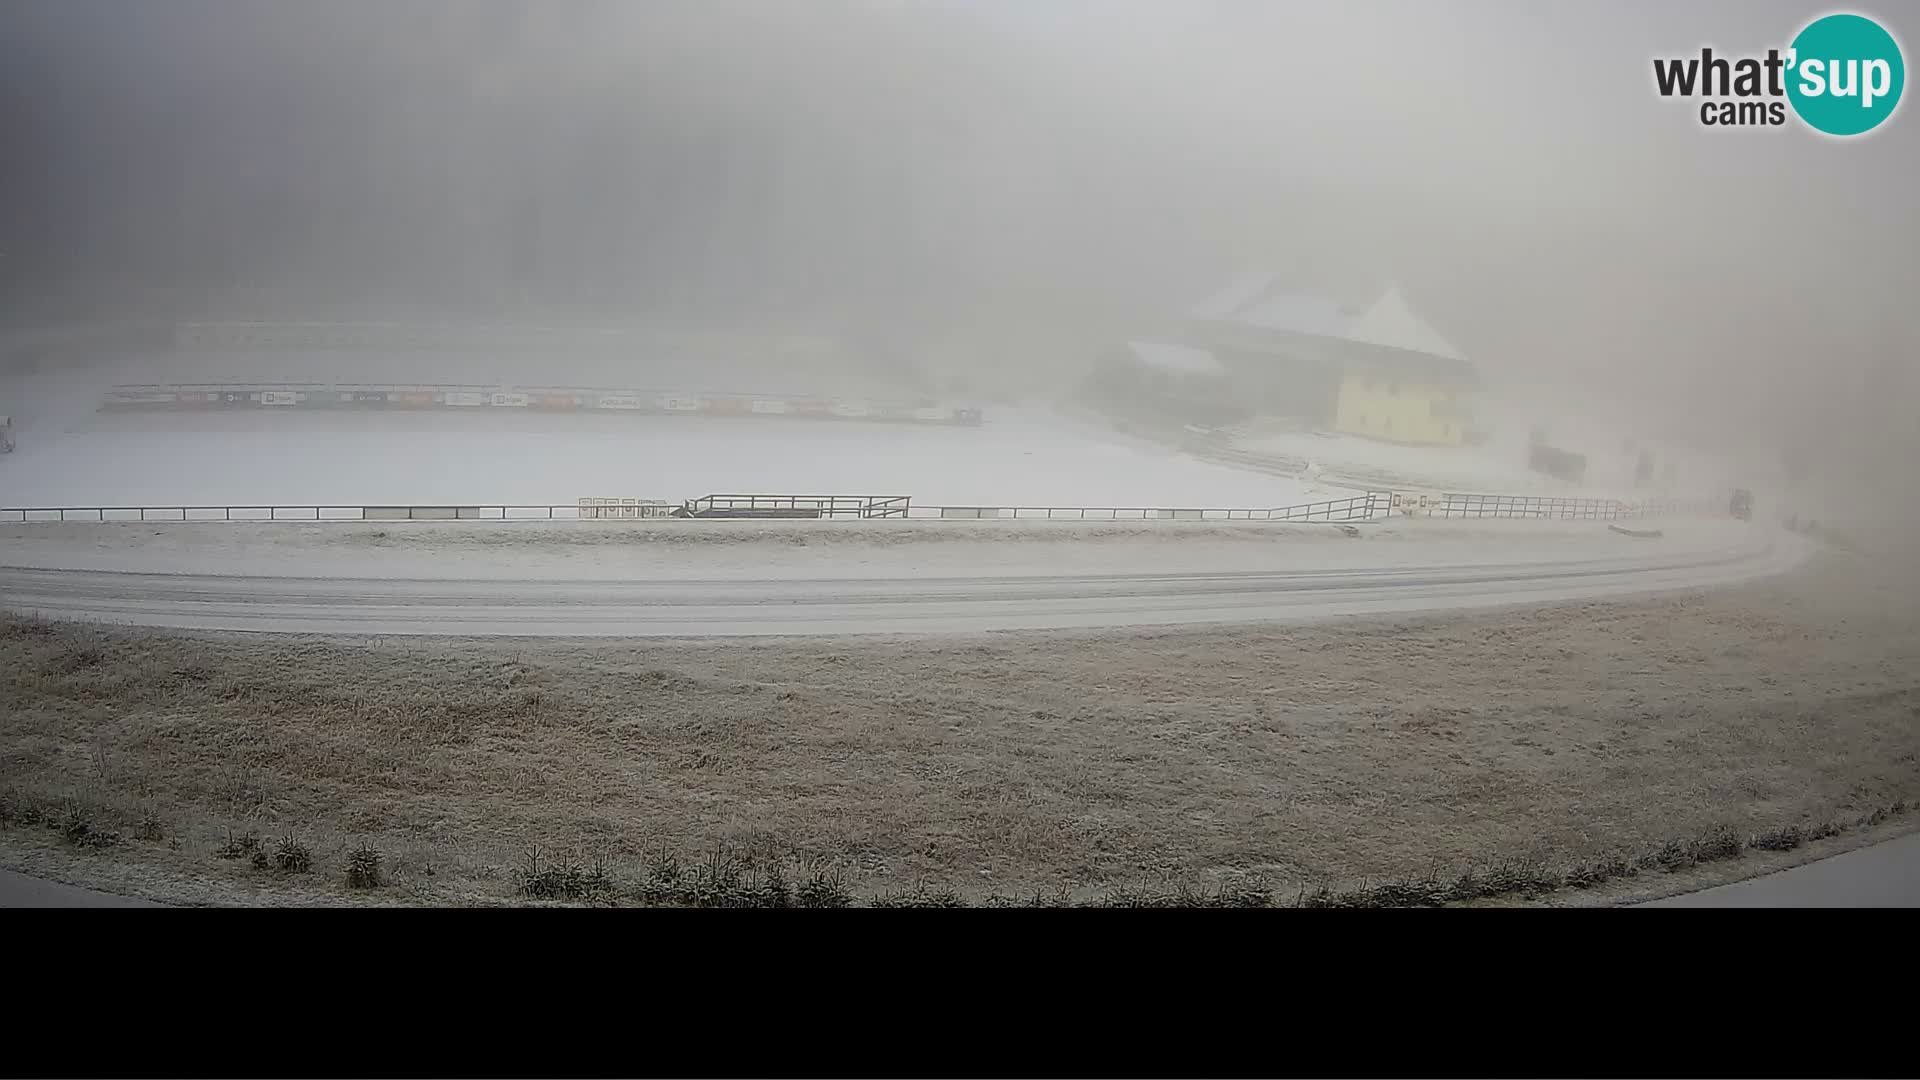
1060, 897
768, 888
1873, 817
260, 860
562, 879
919, 897
291, 856
597, 882
543, 881
1522, 876
664, 886
238, 847
1407, 893
1784, 838
150, 828
719, 882
363, 867
1320, 898
1120, 896
1670, 856
1585, 875
1249, 892
1252, 892
823, 886
78, 828
1719, 844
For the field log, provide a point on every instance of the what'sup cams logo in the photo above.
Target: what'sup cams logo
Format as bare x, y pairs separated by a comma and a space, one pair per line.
1842, 75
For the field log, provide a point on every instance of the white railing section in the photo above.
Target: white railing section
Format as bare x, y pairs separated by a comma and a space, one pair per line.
1373, 506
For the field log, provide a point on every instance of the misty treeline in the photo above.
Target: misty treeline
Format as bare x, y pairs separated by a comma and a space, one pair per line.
1038, 174
782, 162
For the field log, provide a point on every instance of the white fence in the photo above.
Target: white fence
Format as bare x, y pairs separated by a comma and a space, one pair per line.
1373, 506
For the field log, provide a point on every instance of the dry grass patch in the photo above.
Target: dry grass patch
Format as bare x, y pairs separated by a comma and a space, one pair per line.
1011, 765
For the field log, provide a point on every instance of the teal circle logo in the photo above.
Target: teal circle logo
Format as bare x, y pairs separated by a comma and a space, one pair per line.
1845, 74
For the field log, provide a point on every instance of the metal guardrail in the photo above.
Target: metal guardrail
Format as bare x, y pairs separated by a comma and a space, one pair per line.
308, 513
825, 506
1452, 505
537, 397
1371, 506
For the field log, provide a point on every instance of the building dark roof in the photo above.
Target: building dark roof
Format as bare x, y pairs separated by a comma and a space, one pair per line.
1408, 364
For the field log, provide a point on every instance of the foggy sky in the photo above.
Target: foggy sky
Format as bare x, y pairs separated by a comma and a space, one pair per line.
947, 168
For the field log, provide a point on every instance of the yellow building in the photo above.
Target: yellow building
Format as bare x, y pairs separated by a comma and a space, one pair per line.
1405, 409
1377, 371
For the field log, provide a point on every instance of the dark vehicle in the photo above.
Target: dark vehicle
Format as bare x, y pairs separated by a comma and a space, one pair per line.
6, 434
1742, 505
1560, 464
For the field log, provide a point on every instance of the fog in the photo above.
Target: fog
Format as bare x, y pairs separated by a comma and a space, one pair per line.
1001, 178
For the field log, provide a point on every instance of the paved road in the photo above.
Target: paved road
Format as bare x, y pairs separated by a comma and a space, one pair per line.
1884, 875
20, 891
837, 606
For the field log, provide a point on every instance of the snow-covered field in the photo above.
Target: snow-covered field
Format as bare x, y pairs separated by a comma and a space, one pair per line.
1500, 465
71, 455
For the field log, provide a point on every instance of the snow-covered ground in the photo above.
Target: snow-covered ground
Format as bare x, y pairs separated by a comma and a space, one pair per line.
1500, 465
70, 454
1453, 469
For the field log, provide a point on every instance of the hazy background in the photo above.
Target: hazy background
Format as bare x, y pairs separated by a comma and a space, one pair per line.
997, 175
